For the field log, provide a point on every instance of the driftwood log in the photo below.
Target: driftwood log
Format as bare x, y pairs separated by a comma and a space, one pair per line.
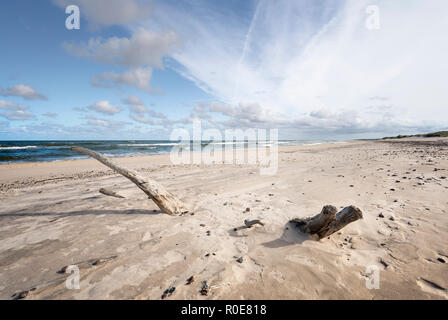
250, 223
110, 193
328, 221
166, 201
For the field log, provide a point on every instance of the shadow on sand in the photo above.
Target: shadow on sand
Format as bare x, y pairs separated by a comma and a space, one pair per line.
79, 213
291, 236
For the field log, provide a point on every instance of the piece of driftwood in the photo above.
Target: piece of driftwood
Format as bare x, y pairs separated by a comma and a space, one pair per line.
89, 263
328, 221
111, 193
250, 223
166, 201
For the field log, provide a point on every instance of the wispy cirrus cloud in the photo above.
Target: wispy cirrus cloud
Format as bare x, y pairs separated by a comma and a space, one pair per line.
299, 57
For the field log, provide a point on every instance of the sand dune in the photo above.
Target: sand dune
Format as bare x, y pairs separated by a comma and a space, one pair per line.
52, 215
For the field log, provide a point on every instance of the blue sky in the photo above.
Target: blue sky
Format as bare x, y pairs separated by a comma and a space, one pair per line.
138, 69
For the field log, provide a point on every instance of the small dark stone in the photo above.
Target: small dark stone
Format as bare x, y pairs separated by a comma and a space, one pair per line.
240, 260
190, 280
440, 260
204, 290
392, 189
168, 292
202, 225
381, 215
392, 219
247, 210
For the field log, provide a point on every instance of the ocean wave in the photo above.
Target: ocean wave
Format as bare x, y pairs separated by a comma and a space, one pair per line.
154, 145
17, 148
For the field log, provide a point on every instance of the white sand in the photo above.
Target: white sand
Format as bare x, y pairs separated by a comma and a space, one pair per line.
50, 224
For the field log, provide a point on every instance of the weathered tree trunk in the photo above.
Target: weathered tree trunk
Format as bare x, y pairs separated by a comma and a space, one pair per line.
110, 193
166, 201
328, 221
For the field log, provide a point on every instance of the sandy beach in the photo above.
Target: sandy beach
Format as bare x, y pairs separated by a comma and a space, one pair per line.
52, 215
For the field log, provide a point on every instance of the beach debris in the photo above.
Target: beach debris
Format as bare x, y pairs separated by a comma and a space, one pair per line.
328, 221
240, 260
111, 193
87, 263
164, 199
381, 215
39, 288
219, 285
168, 292
205, 288
251, 223
190, 280
20, 295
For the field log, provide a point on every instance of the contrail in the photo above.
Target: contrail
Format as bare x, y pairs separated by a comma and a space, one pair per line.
243, 53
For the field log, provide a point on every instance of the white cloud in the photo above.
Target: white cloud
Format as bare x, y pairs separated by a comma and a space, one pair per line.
15, 111
8, 105
108, 12
105, 123
139, 112
144, 48
138, 78
18, 115
21, 90
105, 107
132, 100
50, 114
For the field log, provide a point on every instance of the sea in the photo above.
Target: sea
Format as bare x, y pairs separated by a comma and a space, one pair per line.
42, 151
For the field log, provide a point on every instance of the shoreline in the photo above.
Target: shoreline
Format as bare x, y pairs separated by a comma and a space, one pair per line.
130, 153
14, 172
